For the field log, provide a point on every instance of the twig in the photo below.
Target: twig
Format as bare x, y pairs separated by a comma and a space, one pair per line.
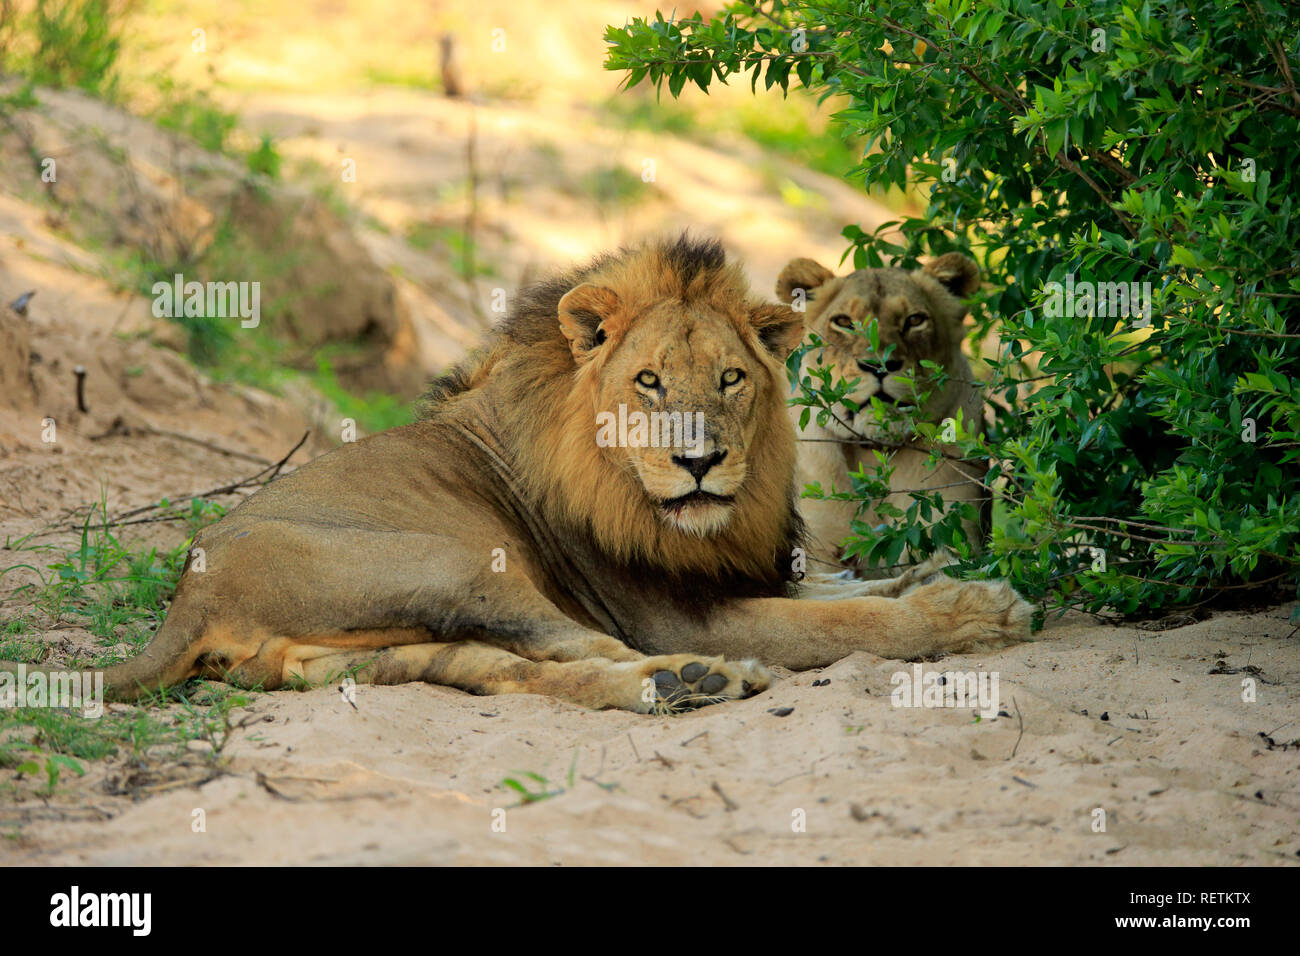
263, 477
726, 800
271, 472
1279, 727
80, 372
120, 428
1021, 719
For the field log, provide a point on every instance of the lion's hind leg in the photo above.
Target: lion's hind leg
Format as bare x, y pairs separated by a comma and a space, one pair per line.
651, 684
257, 659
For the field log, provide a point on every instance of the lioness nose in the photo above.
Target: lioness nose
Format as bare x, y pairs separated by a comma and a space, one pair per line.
699, 467
893, 365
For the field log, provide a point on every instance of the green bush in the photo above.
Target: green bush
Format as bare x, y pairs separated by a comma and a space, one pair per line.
1137, 462
194, 114
77, 43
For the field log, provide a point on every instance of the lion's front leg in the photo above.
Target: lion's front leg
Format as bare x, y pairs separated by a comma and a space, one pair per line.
946, 616
820, 586
557, 639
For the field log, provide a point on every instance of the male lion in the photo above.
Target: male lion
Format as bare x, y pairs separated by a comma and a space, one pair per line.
497, 547
920, 314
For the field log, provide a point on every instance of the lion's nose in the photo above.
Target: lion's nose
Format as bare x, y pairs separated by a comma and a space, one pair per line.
699, 467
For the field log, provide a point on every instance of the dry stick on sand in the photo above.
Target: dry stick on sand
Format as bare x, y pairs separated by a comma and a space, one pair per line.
209, 445
80, 372
271, 472
449, 66
119, 428
1022, 728
263, 477
726, 800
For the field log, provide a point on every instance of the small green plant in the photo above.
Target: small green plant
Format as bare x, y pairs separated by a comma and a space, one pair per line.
24, 97
117, 591
212, 724
459, 246
612, 186
121, 593
374, 411
642, 112
54, 764
412, 79
194, 114
265, 159
528, 793
18, 641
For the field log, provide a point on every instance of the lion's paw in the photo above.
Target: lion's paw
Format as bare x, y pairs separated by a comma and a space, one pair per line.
677, 682
973, 615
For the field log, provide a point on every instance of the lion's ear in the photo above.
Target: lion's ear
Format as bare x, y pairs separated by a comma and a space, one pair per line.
957, 273
581, 312
800, 274
779, 328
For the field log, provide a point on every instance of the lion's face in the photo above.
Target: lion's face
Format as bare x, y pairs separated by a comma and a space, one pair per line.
681, 392
918, 313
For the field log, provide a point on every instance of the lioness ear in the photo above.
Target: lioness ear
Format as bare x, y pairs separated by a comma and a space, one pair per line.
779, 328
800, 274
957, 273
581, 312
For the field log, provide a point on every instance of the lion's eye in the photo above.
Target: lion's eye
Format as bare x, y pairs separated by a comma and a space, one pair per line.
915, 320
842, 320
647, 379
732, 376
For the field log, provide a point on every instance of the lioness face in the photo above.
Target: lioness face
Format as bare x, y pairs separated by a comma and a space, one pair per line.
919, 314
681, 396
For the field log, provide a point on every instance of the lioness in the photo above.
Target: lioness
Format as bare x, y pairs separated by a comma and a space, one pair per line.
920, 314
498, 547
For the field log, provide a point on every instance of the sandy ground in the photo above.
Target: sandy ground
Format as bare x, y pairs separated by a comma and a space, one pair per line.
1132, 722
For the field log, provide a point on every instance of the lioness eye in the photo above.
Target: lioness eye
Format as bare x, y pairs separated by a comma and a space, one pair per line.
913, 320
843, 321
648, 379
731, 377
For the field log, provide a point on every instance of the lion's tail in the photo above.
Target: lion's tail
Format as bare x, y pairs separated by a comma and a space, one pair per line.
168, 659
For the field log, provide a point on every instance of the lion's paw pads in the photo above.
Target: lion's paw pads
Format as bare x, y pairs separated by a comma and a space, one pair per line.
698, 682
